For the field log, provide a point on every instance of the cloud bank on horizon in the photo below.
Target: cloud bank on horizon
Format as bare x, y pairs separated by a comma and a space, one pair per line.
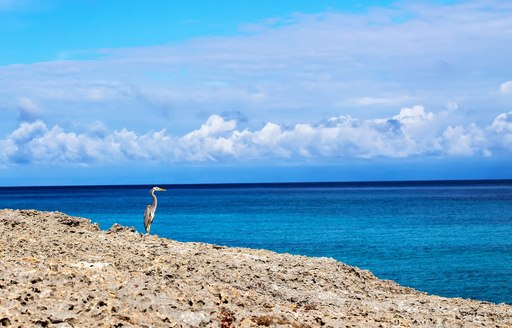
412, 132
407, 80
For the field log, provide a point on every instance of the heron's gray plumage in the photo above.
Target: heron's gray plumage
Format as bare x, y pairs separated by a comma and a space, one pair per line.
149, 214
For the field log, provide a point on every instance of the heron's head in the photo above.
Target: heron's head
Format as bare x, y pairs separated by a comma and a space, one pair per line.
157, 189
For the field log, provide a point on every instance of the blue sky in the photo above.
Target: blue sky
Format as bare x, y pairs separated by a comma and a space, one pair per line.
51, 30
102, 92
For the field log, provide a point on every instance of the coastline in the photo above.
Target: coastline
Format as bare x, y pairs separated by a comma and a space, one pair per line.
63, 271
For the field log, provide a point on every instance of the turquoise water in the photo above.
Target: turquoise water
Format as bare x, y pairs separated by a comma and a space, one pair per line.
447, 238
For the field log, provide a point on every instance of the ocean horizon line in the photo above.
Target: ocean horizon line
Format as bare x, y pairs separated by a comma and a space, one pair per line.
438, 236
288, 184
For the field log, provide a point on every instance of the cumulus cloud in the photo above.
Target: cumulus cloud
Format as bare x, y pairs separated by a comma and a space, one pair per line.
414, 131
36, 143
503, 123
502, 127
464, 141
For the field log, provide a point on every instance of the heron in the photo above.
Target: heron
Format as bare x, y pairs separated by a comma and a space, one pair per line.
149, 214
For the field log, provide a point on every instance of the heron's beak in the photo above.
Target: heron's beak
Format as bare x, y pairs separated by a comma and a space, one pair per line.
162, 189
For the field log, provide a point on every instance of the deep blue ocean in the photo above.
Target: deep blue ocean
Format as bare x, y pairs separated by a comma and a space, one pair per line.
447, 238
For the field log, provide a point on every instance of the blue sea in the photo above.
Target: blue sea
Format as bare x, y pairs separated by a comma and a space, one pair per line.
450, 238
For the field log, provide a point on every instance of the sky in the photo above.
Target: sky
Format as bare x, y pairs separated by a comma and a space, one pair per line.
122, 92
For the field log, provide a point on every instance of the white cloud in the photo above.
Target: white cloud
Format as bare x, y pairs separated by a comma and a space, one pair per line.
414, 117
36, 143
213, 127
314, 66
464, 141
503, 123
97, 129
28, 131
502, 127
371, 101
412, 132
28, 109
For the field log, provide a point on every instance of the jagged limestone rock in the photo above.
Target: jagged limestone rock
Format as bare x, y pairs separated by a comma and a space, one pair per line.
62, 271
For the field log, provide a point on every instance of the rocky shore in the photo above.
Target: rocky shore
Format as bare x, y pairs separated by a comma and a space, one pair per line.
62, 271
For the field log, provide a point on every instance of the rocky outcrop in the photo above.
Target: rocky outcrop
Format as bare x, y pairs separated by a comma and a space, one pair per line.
62, 271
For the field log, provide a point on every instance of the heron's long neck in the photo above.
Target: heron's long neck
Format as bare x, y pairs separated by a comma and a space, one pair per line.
155, 202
